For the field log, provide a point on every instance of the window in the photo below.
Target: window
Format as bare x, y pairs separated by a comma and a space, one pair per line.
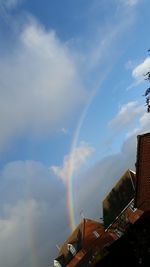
118, 232
131, 206
72, 249
96, 234
57, 263
60, 261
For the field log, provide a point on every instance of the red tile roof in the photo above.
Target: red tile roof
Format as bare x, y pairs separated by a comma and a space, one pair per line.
94, 238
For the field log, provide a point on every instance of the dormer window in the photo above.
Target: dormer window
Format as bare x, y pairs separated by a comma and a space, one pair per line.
57, 263
72, 248
96, 234
60, 261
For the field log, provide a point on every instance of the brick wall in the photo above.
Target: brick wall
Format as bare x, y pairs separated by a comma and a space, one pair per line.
142, 200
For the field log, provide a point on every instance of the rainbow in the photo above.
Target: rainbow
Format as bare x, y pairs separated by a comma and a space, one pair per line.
70, 175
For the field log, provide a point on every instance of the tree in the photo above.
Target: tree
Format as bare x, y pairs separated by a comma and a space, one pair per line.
147, 92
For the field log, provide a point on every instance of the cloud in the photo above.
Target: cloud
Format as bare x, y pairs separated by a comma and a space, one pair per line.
64, 131
40, 87
127, 115
9, 4
130, 3
139, 71
32, 205
130, 65
33, 202
45, 86
74, 161
99, 56
92, 186
12, 3
32, 214
145, 122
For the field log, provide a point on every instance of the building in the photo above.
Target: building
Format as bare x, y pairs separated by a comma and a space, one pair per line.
131, 249
85, 246
132, 224
119, 197
142, 198
124, 238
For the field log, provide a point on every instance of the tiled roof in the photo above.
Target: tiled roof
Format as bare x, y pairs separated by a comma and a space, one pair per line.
119, 197
93, 239
85, 230
90, 227
79, 230
77, 258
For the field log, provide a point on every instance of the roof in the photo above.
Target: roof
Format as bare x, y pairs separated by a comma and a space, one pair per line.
119, 197
83, 231
77, 258
90, 227
133, 216
93, 239
72, 238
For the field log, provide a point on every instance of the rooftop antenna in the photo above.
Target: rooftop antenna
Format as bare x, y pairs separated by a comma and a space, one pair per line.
83, 225
58, 247
82, 214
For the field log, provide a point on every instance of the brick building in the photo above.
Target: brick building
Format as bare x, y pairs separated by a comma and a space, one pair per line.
85, 246
142, 198
126, 212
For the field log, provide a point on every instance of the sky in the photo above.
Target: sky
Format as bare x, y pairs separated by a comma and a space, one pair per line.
71, 107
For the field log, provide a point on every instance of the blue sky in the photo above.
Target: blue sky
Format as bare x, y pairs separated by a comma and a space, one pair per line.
71, 85
83, 27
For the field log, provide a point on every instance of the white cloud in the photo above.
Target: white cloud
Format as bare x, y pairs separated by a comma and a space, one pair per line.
17, 228
33, 201
140, 70
130, 3
64, 131
99, 56
73, 162
145, 122
32, 215
129, 65
10, 4
91, 187
127, 115
39, 85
